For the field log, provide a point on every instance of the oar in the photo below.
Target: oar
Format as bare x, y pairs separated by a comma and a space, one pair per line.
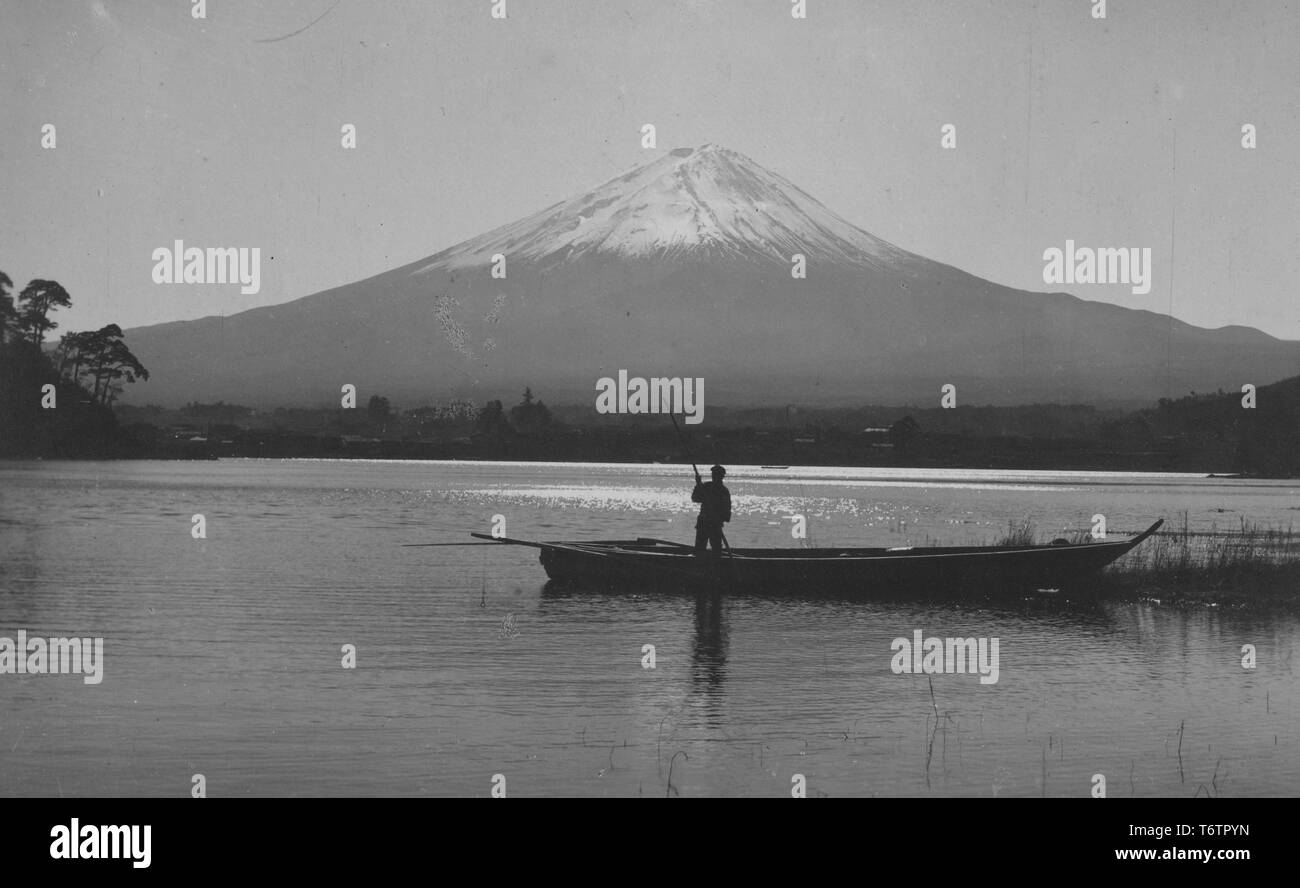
572, 547
506, 540
426, 545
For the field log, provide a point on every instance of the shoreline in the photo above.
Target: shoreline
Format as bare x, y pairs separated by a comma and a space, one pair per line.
519, 459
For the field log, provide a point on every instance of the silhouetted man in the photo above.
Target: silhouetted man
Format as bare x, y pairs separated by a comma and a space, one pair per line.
715, 511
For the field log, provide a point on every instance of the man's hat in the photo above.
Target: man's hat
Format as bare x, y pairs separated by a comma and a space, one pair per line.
718, 470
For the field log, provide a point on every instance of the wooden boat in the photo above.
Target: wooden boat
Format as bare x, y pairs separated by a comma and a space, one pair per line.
643, 562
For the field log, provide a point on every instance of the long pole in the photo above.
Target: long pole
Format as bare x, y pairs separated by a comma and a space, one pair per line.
686, 447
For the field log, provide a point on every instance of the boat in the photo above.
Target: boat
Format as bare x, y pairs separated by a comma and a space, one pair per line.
654, 563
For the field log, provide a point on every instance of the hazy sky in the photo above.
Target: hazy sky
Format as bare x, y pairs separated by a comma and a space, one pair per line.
1117, 132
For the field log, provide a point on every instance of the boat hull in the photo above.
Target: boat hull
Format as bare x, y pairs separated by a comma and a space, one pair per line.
858, 572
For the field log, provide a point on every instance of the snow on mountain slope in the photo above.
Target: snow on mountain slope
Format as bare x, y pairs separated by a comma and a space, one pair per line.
707, 200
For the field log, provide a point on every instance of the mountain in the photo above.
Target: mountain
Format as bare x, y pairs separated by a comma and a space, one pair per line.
681, 267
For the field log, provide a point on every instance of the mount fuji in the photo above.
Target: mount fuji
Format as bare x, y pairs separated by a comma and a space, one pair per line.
682, 268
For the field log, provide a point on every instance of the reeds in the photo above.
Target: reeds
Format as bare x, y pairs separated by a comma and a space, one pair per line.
1180, 551
1019, 533
1252, 561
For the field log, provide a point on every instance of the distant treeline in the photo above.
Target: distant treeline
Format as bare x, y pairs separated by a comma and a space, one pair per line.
59, 400
1197, 433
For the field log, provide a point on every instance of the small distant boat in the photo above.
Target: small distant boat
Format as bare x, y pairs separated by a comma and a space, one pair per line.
774, 467
648, 562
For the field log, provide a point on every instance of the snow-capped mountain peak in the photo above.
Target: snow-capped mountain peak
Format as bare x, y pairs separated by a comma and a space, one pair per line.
708, 200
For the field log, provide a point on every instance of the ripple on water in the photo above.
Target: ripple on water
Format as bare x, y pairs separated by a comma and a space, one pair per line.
224, 655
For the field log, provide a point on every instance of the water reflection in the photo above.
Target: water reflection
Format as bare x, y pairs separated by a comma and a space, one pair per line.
709, 654
227, 650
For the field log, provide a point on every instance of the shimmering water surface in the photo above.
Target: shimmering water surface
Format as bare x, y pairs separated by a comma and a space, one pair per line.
223, 655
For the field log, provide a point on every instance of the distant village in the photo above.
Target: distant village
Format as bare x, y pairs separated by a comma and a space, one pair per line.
1208, 433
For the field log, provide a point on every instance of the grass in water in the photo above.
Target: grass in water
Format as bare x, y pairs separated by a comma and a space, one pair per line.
1019, 533
1252, 563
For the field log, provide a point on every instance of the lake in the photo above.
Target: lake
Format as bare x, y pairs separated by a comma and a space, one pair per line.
223, 656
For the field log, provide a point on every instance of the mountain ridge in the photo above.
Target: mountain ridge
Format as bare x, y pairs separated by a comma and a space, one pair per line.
681, 267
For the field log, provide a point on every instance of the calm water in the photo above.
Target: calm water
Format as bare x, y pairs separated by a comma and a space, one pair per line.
222, 656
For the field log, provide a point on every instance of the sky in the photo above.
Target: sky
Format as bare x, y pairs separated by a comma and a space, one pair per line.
1115, 132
